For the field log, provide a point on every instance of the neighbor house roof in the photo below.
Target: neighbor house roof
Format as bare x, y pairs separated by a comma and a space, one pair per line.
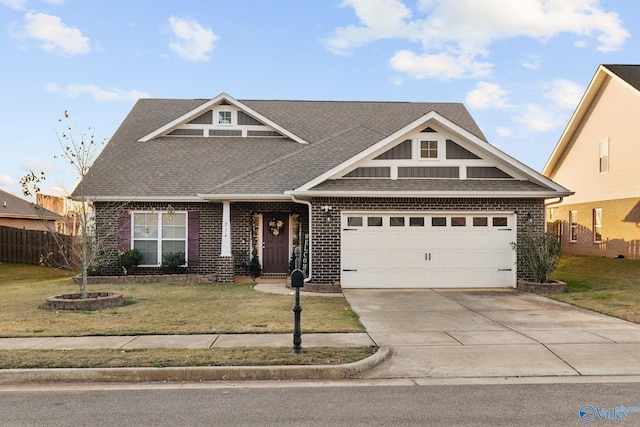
143, 161
14, 207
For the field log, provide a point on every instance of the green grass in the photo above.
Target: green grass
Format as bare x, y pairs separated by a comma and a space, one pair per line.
164, 308
159, 308
606, 285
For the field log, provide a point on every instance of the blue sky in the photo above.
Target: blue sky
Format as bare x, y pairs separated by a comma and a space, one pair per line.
520, 66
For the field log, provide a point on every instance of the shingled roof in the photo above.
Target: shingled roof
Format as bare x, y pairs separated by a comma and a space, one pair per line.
14, 207
142, 162
628, 73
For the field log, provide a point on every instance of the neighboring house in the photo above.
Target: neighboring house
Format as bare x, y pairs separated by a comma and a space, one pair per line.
375, 194
65, 207
19, 213
597, 157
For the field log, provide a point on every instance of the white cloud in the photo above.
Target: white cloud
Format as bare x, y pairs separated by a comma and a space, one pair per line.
532, 62
98, 94
5, 180
454, 33
565, 93
191, 41
14, 4
442, 65
37, 166
537, 119
487, 95
504, 132
53, 35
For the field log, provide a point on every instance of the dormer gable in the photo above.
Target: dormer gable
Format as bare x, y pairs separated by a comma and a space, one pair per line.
222, 116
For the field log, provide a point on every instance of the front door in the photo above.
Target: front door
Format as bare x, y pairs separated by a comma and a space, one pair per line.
275, 242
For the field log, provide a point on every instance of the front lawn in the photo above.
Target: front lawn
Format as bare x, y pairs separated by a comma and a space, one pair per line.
159, 308
607, 285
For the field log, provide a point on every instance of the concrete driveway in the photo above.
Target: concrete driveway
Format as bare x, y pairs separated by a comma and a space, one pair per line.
492, 333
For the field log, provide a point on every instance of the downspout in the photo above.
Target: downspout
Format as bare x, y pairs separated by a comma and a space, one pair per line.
560, 199
308, 203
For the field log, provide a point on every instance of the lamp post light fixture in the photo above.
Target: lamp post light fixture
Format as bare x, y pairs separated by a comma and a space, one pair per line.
297, 281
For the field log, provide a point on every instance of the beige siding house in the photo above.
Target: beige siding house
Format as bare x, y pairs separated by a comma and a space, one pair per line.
597, 157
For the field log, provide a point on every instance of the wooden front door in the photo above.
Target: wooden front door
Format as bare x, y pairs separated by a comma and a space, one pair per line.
275, 242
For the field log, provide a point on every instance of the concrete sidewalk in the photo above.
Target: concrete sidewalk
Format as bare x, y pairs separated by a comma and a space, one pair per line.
185, 341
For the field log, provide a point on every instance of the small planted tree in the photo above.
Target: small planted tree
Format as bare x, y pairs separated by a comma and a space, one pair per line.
79, 151
538, 253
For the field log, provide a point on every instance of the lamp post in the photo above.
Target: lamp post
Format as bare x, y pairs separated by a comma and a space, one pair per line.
297, 281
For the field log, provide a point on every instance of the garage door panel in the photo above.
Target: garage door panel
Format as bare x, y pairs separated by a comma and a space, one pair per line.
426, 256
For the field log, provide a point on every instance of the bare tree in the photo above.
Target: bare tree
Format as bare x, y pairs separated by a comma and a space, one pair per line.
79, 151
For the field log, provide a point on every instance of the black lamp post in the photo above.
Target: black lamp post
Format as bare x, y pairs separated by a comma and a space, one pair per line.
297, 281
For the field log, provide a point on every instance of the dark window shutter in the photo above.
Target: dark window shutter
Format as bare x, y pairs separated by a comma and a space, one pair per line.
124, 227
192, 237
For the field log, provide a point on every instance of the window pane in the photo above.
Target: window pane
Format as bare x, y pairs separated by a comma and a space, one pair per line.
597, 225
439, 221
482, 221
428, 149
500, 221
145, 225
172, 246
396, 221
374, 221
174, 226
149, 251
224, 117
573, 224
458, 221
416, 221
354, 221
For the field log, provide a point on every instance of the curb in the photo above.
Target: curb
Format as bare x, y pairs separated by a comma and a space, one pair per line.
193, 374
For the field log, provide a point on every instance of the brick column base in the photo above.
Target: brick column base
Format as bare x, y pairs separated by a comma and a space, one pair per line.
225, 271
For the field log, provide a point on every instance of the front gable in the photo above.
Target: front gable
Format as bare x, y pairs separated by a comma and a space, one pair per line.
222, 116
431, 149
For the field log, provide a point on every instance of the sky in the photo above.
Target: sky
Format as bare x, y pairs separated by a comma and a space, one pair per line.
519, 66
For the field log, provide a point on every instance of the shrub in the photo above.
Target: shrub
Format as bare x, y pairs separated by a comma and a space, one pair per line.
173, 263
129, 260
255, 269
538, 253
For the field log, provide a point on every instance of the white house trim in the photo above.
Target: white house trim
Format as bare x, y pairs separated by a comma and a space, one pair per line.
209, 105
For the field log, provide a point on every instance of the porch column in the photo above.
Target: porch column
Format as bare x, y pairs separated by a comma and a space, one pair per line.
226, 229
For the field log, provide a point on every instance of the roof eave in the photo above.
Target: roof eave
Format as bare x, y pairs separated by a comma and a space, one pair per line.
245, 197
436, 194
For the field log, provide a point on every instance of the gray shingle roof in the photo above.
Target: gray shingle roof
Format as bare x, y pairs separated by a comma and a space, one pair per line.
628, 73
14, 207
439, 185
184, 167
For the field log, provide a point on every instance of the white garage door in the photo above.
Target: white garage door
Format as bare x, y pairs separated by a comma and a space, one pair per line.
436, 250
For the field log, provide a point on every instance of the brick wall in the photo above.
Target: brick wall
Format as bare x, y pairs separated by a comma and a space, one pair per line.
326, 243
210, 222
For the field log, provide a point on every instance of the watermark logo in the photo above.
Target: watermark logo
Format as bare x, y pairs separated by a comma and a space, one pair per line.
589, 413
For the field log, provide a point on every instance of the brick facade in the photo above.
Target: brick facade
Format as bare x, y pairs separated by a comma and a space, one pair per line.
326, 242
325, 256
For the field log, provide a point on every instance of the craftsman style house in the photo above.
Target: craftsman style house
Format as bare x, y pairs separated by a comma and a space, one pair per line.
374, 194
597, 157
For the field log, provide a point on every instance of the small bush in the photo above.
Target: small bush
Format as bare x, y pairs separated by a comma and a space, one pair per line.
538, 253
173, 263
129, 260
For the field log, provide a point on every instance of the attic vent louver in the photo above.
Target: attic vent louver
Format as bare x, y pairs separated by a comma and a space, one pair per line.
427, 129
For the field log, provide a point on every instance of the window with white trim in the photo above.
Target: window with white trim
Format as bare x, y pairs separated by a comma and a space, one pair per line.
597, 225
156, 234
428, 149
603, 155
225, 117
573, 225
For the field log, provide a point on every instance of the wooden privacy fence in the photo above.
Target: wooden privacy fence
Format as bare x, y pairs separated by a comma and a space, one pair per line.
35, 247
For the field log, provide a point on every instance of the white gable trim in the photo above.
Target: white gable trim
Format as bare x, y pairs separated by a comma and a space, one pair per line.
209, 105
492, 151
